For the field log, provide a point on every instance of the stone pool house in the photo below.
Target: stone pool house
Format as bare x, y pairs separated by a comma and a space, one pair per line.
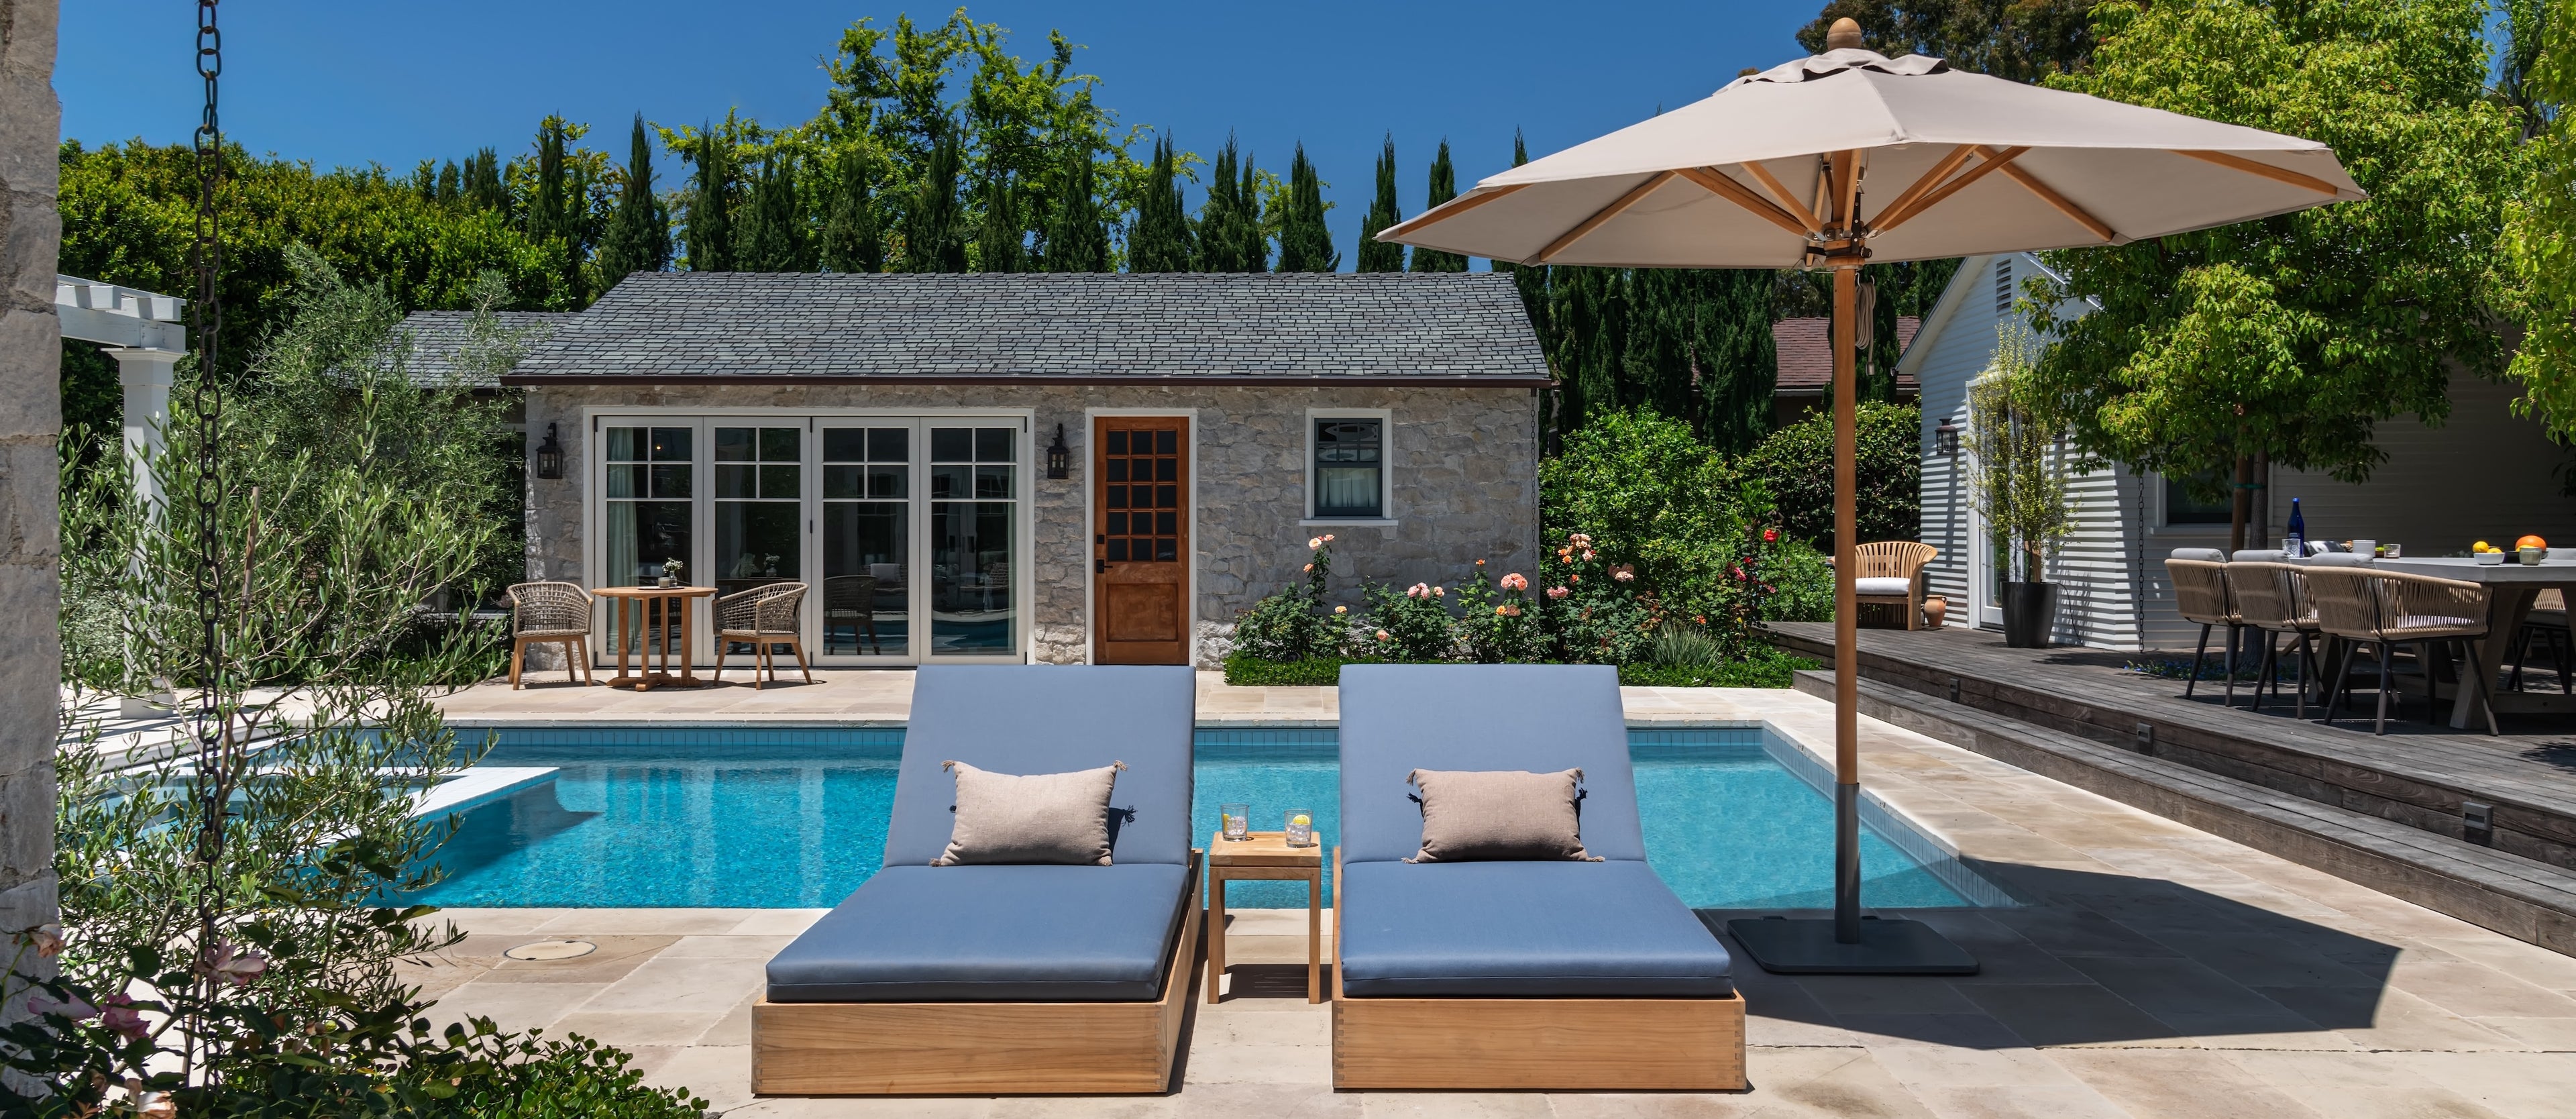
1061, 468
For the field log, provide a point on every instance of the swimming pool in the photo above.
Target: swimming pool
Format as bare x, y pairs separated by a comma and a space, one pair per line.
796, 817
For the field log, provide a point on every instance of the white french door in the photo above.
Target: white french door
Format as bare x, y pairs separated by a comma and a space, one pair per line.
910, 532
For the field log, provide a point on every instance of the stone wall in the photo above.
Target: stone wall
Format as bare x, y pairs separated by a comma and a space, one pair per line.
30, 419
1463, 477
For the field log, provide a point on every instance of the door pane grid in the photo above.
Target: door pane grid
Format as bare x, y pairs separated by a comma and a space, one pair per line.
867, 540
974, 516
649, 485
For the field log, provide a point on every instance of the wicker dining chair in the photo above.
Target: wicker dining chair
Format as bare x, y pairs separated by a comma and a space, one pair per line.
2272, 595
2386, 610
851, 600
2546, 623
763, 617
550, 613
2200, 595
1890, 573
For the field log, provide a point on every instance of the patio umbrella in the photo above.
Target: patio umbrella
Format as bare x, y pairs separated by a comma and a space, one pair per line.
1785, 168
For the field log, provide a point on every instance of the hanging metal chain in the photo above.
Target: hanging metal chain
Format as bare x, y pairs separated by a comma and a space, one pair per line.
214, 737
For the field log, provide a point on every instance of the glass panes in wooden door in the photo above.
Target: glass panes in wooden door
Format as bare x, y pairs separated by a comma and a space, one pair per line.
867, 540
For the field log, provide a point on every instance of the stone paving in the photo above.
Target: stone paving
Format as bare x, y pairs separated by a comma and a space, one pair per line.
2159, 971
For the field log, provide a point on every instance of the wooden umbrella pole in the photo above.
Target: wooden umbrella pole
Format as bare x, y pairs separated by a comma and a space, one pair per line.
1846, 609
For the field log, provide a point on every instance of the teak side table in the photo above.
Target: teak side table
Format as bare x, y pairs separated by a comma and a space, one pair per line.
1265, 856
675, 612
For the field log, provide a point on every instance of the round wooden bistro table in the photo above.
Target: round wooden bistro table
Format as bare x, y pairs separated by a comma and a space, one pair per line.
675, 611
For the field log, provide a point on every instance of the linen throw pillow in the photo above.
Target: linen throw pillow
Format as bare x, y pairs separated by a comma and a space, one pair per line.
1498, 815
1059, 818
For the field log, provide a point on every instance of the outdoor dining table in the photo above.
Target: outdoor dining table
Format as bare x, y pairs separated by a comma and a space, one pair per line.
675, 612
2511, 588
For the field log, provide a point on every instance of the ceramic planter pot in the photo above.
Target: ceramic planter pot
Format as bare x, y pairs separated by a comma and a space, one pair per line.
1935, 609
2030, 612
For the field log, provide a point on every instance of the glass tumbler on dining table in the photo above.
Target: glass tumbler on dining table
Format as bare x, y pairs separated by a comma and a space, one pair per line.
1236, 820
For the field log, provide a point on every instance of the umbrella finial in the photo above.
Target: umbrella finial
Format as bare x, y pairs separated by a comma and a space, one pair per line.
1843, 35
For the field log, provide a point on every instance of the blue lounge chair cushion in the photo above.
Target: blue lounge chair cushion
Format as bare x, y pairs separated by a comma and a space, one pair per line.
1025, 719
1607, 929
1544, 718
1009, 933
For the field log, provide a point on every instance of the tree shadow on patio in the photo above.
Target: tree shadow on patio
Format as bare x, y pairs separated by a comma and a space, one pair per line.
2099, 959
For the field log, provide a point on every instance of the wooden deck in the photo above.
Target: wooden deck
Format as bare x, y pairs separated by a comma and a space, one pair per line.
2428, 777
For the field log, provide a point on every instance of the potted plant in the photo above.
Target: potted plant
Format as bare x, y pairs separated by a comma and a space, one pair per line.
2016, 474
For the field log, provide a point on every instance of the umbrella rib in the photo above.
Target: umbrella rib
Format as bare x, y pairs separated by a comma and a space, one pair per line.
1718, 184
2266, 170
1604, 214
2046, 194
1787, 200
1959, 154
1991, 160
1449, 210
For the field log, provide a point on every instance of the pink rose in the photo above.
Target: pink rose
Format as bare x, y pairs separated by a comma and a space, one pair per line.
238, 968
1508, 610
1624, 573
121, 1017
1382, 635
1515, 582
1314, 542
76, 1010
1328, 538
1439, 592
1559, 592
1588, 555
1310, 567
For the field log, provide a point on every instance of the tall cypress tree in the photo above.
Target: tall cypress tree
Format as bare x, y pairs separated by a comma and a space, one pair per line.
639, 235
1734, 359
1375, 255
1001, 239
934, 232
1077, 238
710, 222
1305, 242
854, 241
451, 184
1159, 241
483, 185
550, 218
1444, 186
1230, 238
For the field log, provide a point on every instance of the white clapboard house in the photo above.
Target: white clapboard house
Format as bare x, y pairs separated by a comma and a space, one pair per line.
2482, 474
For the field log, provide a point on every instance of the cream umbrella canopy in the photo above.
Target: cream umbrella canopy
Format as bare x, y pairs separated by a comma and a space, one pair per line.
1837, 160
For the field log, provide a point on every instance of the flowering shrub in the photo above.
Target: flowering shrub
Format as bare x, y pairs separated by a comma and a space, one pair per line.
1409, 625
1498, 621
1293, 625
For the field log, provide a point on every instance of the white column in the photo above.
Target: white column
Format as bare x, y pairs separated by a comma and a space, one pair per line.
146, 376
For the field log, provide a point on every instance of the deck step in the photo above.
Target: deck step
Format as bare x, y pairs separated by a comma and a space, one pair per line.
2519, 897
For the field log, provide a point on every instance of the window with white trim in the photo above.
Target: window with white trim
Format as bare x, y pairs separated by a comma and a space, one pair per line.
1349, 468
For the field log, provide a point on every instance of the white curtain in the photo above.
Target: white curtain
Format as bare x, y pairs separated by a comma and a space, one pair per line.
1345, 488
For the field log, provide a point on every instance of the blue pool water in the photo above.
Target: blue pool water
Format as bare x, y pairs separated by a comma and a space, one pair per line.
796, 817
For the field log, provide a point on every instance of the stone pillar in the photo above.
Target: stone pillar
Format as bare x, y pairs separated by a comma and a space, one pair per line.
30, 422
146, 376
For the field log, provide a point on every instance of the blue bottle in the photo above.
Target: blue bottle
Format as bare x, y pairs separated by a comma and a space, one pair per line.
2295, 541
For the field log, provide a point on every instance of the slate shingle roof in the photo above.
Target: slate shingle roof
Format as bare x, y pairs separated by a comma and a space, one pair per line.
1459, 328
437, 335
1806, 349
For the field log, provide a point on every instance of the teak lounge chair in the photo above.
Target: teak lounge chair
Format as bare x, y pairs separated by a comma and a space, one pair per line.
1891, 574
1512, 975
988, 980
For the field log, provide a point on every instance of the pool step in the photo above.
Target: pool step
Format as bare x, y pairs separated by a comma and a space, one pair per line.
2519, 897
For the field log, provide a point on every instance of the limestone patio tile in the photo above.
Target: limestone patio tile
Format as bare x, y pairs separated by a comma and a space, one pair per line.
1825, 1082
1455, 1105
1967, 1037
721, 1075
735, 1027
730, 946
2192, 998
2069, 1014
2019, 1101
500, 922
2067, 933
2179, 1084
2357, 1085
1267, 1101
625, 1028
1260, 1063
2473, 989
2261, 960
513, 1006
789, 923
1620, 1105
2520, 1085
1843, 995
862, 1107
646, 922
665, 985
1226, 1024
1093, 1107
614, 958
2376, 1017
2554, 1034
2529, 962
2003, 955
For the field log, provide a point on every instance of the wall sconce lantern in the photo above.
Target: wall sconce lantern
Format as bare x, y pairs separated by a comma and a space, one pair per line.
1946, 436
550, 456
1059, 457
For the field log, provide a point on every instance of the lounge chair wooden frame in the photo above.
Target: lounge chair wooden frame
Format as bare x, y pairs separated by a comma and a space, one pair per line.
1501, 1044
1903, 559
980, 1048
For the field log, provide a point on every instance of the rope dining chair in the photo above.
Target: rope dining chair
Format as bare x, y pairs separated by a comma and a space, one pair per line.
763, 617
851, 600
2200, 595
2272, 597
2386, 610
2546, 624
550, 613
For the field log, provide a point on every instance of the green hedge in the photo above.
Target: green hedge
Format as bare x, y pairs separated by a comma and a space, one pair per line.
1248, 671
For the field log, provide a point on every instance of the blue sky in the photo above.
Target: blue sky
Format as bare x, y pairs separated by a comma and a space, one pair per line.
351, 82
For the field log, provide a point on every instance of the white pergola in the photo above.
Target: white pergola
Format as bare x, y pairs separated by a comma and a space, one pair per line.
146, 333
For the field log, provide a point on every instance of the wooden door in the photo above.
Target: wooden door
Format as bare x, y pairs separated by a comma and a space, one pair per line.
1141, 544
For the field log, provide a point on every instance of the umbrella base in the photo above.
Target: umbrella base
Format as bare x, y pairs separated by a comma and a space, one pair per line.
1807, 947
